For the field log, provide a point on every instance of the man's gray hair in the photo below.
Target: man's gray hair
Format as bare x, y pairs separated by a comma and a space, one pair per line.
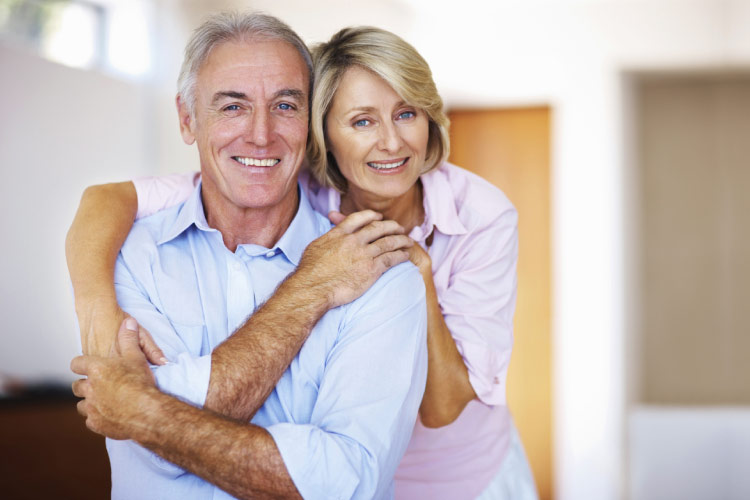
229, 27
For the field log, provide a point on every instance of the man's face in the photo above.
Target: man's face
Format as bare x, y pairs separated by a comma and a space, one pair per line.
250, 124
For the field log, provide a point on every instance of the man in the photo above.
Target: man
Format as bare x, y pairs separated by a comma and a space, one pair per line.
331, 412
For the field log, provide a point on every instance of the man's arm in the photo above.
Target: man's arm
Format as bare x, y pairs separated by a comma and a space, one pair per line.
237, 377
122, 402
335, 269
358, 429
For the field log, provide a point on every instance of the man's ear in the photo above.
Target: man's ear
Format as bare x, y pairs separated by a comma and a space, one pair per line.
186, 121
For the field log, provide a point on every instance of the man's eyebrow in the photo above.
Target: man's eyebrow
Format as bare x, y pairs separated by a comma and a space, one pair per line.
294, 93
231, 94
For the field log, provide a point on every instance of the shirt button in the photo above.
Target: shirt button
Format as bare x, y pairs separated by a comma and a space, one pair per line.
270, 253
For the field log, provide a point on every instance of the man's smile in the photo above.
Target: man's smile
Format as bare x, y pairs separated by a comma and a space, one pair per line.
256, 162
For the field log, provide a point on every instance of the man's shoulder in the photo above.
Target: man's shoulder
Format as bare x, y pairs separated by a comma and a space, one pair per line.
399, 288
149, 231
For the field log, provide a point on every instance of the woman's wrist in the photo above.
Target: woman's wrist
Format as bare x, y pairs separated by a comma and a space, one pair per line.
99, 318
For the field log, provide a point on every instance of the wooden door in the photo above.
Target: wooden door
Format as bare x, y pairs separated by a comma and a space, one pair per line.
511, 149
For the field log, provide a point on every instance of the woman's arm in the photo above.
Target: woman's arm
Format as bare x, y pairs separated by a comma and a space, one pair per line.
101, 224
448, 389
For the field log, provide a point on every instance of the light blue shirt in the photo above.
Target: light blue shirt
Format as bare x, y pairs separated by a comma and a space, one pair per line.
342, 413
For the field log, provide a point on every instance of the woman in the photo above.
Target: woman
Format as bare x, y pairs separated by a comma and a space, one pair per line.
378, 140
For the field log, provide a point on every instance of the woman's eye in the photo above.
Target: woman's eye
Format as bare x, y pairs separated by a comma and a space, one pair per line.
405, 115
362, 123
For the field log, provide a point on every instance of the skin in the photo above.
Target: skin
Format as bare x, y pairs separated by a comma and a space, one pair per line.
121, 400
251, 102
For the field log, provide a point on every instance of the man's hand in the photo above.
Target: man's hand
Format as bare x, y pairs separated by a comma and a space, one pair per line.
117, 387
348, 259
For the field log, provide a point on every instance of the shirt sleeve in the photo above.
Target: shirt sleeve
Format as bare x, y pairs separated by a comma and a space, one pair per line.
479, 302
368, 397
157, 193
187, 374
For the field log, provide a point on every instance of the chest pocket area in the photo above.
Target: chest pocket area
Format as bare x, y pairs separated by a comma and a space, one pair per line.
194, 338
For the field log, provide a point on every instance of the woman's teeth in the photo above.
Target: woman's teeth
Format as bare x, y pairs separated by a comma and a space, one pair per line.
257, 162
387, 166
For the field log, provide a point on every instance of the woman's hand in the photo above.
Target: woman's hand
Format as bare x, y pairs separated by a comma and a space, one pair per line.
420, 258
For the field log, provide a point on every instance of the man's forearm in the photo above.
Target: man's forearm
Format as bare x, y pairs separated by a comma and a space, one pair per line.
246, 367
239, 458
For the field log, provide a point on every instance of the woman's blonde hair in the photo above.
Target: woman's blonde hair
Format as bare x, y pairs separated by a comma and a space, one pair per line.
393, 60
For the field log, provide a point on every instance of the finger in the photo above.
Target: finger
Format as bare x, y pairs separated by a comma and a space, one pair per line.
82, 407
378, 229
81, 388
152, 351
357, 220
387, 260
389, 244
80, 365
336, 217
128, 343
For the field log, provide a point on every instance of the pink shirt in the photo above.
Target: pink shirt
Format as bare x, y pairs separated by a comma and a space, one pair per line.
474, 252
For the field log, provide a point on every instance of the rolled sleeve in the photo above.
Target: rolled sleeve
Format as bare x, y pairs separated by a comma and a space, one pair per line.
368, 398
479, 303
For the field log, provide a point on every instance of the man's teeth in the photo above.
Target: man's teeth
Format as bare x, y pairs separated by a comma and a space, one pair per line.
387, 166
257, 162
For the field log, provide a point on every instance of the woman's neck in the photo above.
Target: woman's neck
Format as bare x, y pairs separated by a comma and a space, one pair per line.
407, 209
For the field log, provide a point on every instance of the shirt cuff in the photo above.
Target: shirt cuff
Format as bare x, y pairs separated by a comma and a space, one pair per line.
186, 377
487, 372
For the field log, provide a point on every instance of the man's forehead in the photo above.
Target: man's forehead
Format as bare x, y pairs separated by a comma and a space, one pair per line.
249, 62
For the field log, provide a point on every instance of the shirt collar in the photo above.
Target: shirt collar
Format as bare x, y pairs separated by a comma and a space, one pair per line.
304, 227
191, 212
439, 205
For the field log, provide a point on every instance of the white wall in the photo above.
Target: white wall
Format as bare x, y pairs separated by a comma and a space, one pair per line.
61, 129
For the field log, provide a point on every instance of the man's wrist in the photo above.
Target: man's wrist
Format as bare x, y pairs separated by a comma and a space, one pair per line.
146, 422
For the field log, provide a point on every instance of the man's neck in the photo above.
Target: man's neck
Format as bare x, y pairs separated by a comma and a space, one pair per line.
249, 225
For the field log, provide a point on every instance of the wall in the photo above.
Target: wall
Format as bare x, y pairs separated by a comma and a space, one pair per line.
61, 129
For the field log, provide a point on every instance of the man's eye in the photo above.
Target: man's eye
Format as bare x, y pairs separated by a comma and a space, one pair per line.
232, 107
285, 106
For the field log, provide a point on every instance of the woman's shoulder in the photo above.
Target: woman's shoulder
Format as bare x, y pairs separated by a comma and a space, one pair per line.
476, 201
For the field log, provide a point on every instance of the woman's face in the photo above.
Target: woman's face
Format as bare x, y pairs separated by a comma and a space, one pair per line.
378, 140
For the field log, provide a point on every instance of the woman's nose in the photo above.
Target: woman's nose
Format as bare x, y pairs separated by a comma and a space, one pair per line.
390, 138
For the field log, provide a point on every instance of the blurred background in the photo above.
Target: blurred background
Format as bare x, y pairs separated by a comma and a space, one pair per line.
619, 128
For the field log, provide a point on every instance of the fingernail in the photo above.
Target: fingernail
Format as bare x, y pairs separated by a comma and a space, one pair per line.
164, 360
131, 324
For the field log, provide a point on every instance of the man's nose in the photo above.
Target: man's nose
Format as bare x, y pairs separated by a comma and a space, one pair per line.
259, 127
390, 138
